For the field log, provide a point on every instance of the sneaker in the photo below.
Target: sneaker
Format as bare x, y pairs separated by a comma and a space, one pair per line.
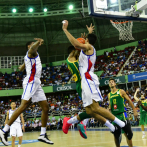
65, 125
143, 136
117, 134
127, 129
44, 138
82, 130
3, 137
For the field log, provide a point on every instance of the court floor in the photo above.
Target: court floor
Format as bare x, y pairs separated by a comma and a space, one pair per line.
96, 138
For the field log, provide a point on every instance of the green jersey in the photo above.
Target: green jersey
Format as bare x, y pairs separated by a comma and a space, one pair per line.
144, 103
116, 102
74, 69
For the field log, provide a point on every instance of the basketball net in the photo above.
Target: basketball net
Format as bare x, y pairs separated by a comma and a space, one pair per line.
124, 28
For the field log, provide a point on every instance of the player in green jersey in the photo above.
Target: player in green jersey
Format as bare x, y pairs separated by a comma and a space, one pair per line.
143, 113
116, 105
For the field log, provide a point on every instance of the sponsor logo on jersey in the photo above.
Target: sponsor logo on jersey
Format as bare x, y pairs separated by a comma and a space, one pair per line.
115, 106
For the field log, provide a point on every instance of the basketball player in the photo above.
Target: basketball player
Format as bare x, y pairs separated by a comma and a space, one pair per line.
73, 66
15, 129
32, 89
89, 81
116, 105
143, 113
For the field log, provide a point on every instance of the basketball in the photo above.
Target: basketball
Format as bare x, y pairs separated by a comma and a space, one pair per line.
81, 40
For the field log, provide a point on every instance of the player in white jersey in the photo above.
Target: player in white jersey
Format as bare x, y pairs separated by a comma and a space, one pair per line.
15, 129
90, 85
31, 89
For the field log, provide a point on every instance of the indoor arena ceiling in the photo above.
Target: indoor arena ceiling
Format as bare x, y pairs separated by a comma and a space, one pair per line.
22, 5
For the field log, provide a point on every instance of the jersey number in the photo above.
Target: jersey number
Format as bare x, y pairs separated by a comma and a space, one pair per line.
114, 101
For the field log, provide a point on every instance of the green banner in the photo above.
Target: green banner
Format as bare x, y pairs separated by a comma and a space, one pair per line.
64, 87
118, 80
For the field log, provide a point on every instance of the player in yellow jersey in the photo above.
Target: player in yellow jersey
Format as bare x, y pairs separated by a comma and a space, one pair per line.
116, 105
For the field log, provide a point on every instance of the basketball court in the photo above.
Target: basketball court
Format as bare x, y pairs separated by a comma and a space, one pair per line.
100, 137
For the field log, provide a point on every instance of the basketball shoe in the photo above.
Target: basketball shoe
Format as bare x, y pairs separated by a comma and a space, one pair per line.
65, 125
44, 138
82, 130
4, 137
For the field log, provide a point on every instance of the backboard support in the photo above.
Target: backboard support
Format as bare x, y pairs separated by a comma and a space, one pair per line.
118, 9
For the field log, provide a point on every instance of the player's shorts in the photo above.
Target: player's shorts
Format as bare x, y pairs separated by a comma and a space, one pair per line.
143, 118
33, 91
121, 117
16, 130
90, 92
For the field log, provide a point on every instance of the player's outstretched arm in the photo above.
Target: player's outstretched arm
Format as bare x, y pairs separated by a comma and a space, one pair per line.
124, 95
73, 41
22, 120
22, 67
33, 49
140, 104
7, 117
135, 95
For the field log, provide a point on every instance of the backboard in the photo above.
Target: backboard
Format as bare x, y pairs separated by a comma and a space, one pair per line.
119, 9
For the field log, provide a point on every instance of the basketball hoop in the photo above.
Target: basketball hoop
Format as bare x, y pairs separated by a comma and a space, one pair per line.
124, 28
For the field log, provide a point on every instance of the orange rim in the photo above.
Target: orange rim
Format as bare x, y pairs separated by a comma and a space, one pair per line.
120, 22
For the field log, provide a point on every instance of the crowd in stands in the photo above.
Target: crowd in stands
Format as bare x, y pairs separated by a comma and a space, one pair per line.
112, 62
138, 61
51, 75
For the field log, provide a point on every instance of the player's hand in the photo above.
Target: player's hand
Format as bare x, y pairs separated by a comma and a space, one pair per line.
90, 29
138, 89
135, 114
83, 35
23, 128
139, 103
40, 40
65, 25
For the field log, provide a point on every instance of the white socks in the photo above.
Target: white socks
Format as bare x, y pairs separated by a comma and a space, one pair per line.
110, 126
143, 132
119, 122
6, 128
85, 121
19, 145
43, 130
73, 120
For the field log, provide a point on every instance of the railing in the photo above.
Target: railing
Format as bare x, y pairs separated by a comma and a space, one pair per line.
55, 113
127, 61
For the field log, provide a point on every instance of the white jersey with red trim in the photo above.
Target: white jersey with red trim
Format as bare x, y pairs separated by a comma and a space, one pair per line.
10, 114
86, 65
33, 69
89, 80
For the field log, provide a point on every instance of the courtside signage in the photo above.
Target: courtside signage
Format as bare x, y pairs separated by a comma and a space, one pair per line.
118, 80
137, 77
66, 87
